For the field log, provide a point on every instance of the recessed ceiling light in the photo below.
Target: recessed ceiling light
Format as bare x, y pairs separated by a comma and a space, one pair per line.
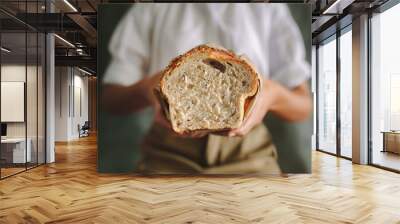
64, 40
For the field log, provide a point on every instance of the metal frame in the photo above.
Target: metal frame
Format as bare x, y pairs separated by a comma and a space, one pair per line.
26, 90
0, 93
369, 78
45, 90
338, 98
317, 97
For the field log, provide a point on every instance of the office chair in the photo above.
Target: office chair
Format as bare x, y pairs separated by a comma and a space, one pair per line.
84, 130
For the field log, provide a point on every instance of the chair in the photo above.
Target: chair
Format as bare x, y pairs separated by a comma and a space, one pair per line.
84, 130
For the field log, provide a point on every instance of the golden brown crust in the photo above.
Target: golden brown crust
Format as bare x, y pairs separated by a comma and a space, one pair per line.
221, 54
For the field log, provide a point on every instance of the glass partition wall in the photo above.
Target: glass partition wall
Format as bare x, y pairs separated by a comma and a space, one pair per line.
22, 78
334, 94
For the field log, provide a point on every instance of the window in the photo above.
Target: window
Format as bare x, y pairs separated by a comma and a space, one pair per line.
385, 89
327, 96
346, 93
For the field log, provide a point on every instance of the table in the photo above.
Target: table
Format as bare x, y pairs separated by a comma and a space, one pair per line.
391, 141
13, 150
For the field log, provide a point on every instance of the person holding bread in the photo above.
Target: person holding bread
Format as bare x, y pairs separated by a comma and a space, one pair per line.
209, 99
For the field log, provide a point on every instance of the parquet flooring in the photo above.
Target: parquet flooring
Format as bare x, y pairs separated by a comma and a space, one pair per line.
71, 191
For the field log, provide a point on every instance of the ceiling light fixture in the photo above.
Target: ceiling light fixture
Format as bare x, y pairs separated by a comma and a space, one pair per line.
332, 6
5, 50
64, 40
84, 71
70, 5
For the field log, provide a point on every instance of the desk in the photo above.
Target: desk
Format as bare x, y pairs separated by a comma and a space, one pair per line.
391, 141
13, 150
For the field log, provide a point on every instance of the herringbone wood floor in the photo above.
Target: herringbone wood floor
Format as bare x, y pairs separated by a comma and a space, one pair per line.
71, 191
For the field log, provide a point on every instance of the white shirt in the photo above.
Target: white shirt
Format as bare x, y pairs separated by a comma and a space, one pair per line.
151, 35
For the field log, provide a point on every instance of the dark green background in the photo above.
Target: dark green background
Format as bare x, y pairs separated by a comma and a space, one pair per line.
119, 136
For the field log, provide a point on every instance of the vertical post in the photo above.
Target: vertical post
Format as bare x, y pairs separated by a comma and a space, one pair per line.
50, 92
360, 90
314, 94
317, 97
0, 101
26, 88
37, 89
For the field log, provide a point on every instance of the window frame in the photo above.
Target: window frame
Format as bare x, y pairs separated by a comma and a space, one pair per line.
333, 37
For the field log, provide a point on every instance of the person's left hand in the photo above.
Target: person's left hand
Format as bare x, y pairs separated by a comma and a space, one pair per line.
262, 105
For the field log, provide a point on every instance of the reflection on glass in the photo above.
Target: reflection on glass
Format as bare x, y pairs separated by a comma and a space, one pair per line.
22, 91
14, 150
327, 97
346, 94
385, 83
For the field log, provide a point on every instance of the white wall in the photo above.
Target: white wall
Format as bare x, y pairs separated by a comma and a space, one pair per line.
62, 81
80, 110
16, 73
12, 73
70, 84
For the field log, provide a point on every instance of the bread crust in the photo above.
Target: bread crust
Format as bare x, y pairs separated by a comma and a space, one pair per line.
246, 101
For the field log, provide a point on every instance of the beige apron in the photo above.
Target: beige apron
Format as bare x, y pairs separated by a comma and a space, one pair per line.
165, 153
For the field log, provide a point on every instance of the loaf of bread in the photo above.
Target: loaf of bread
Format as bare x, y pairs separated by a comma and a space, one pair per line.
208, 88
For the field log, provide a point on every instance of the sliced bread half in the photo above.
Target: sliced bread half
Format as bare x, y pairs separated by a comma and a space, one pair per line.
208, 88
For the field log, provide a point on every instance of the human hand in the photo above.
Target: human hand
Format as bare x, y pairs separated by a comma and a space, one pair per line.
264, 100
161, 120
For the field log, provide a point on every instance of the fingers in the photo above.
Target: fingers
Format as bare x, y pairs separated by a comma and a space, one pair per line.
222, 133
243, 129
160, 118
239, 132
194, 134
